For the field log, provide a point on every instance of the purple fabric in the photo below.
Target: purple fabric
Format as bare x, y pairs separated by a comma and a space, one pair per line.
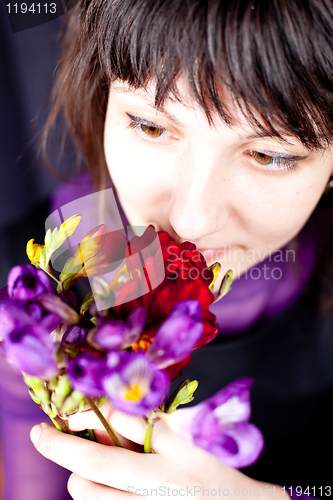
25, 473
67, 192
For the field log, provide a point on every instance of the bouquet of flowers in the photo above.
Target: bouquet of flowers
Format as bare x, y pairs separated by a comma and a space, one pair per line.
127, 339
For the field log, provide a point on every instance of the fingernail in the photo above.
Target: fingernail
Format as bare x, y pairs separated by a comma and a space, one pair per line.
35, 433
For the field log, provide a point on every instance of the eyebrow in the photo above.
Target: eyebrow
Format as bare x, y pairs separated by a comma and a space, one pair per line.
171, 117
259, 135
168, 115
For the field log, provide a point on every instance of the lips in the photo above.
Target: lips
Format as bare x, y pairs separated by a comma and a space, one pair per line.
215, 253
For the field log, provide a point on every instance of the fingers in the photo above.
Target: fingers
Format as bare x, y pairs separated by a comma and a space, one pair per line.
82, 489
89, 420
131, 427
134, 429
107, 465
104, 438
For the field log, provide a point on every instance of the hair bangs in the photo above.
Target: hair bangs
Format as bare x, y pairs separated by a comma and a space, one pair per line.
272, 60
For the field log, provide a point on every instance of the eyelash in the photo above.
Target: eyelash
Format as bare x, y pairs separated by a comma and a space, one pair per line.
136, 124
284, 163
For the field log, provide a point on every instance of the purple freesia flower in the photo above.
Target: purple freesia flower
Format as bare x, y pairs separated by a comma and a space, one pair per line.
54, 303
113, 334
26, 283
135, 385
70, 298
75, 335
178, 334
36, 312
135, 321
14, 315
4, 293
108, 334
25, 331
30, 348
51, 321
85, 373
221, 425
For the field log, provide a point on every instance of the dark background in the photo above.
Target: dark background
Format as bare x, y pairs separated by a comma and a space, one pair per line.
27, 64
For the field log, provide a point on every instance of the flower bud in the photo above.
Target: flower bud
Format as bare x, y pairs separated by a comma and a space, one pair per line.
54, 304
33, 252
62, 390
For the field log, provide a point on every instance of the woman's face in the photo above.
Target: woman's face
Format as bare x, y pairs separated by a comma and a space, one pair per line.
236, 195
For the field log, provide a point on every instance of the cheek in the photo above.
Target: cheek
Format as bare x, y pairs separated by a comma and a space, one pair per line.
139, 174
276, 214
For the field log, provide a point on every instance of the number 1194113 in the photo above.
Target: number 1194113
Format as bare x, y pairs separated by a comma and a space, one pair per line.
309, 491
37, 8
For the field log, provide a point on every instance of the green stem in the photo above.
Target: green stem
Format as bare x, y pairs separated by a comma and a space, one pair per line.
149, 433
87, 434
50, 273
106, 424
56, 425
91, 435
61, 425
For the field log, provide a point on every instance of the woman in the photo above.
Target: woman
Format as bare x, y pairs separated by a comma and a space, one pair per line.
217, 126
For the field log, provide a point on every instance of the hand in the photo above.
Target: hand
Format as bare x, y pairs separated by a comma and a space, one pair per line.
107, 472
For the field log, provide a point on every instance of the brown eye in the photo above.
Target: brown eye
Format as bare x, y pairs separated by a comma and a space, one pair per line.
262, 158
151, 130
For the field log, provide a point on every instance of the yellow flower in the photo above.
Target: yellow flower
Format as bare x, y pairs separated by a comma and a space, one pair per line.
90, 245
33, 252
215, 268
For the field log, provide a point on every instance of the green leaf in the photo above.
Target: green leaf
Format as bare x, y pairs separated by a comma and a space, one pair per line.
69, 268
68, 273
54, 239
42, 258
48, 238
88, 300
34, 397
225, 286
182, 395
39, 389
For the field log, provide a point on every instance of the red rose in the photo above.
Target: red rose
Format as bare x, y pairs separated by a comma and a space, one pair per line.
186, 276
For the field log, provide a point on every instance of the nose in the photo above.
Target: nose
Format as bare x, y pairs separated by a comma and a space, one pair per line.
200, 203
